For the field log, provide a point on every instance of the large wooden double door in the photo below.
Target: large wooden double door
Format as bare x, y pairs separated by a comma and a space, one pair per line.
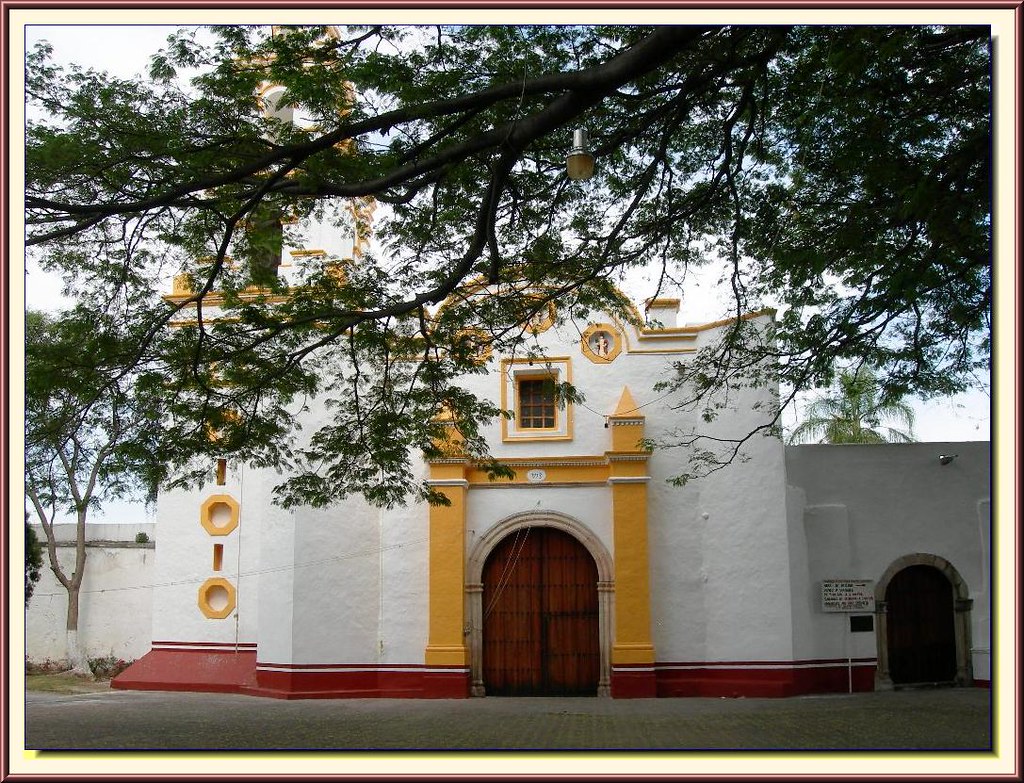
921, 629
540, 610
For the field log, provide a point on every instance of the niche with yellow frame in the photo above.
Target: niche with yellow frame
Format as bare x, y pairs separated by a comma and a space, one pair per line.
601, 343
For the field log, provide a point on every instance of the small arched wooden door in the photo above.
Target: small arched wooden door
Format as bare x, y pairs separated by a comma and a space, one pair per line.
540, 616
921, 630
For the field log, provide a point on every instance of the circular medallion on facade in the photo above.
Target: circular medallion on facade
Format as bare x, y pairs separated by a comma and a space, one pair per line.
601, 343
542, 319
474, 344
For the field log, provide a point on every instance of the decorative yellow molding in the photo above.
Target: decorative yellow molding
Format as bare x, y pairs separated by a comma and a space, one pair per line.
627, 426
544, 472
542, 320
632, 653
216, 298
661, 303
362, 209
601, 343
675, 333
216, 436
182, 285
446, 568
219, 514
298, 255
662, 351
450, 442
694, 328
478, 343
217, 598
628, 480
556, 368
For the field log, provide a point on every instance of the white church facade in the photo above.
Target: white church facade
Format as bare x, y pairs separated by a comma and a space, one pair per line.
793, 570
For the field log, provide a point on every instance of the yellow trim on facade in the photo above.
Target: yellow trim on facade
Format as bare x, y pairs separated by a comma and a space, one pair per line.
216, 298
664, 351
623, 469
208, 587
543, 367
543, 320
566, 470
208, 508
626, 405
627, 463
643, 332
446, 568
611, 351
632, 653
675, 333
661, 303
484, 349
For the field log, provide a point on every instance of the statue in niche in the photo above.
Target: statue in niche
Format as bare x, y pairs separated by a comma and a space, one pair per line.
600, 344
540, 320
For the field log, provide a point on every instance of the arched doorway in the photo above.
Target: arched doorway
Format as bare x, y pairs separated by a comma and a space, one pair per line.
922, 638
924, 623
541, 625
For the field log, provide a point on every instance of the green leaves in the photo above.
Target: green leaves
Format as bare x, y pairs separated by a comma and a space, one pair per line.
92, 412
840, 175
853, 413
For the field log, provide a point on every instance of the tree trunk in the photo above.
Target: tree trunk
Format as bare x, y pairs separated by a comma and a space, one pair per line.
76, 655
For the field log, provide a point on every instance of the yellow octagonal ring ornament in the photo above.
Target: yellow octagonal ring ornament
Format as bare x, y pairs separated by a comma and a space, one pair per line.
219, 514
217, 598
601, 343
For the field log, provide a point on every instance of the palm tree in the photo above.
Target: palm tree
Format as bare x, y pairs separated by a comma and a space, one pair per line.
854, 414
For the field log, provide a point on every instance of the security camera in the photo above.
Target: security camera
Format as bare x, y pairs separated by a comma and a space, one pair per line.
945, 459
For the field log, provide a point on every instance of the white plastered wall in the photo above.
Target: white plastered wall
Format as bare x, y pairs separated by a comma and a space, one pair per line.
115, 603
404, 600
589, 506
720, 552
337, 584
185, 562
718, 546
860, 508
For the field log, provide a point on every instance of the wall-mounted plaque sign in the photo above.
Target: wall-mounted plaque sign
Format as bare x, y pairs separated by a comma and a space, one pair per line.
847, 595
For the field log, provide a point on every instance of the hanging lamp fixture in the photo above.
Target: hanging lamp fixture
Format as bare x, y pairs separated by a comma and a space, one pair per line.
580, 163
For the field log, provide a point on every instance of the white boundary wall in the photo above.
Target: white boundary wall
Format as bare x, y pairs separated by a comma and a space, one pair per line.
116, 602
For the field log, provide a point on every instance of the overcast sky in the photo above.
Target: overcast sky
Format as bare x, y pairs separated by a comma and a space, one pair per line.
124, 50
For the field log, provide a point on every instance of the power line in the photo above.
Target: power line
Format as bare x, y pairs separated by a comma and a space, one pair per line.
375, 551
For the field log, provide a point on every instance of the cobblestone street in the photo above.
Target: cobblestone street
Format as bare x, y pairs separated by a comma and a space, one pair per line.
680, 736
927, 719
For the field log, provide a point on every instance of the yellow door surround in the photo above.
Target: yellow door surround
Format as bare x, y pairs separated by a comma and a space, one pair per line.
623, 469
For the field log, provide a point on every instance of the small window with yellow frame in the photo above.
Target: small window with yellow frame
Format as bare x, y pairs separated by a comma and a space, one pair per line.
529, 393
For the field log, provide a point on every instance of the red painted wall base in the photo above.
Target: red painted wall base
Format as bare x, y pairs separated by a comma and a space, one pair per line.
190, 670
360, 683
752, 682
228, 671
218, 671
633, 684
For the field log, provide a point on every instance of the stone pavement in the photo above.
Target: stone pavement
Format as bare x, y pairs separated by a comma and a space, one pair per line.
935, 719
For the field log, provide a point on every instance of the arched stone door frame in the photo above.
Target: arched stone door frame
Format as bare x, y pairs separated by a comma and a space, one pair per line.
961, 617
475, 588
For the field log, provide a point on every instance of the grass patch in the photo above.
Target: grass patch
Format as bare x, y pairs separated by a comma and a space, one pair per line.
64, 682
